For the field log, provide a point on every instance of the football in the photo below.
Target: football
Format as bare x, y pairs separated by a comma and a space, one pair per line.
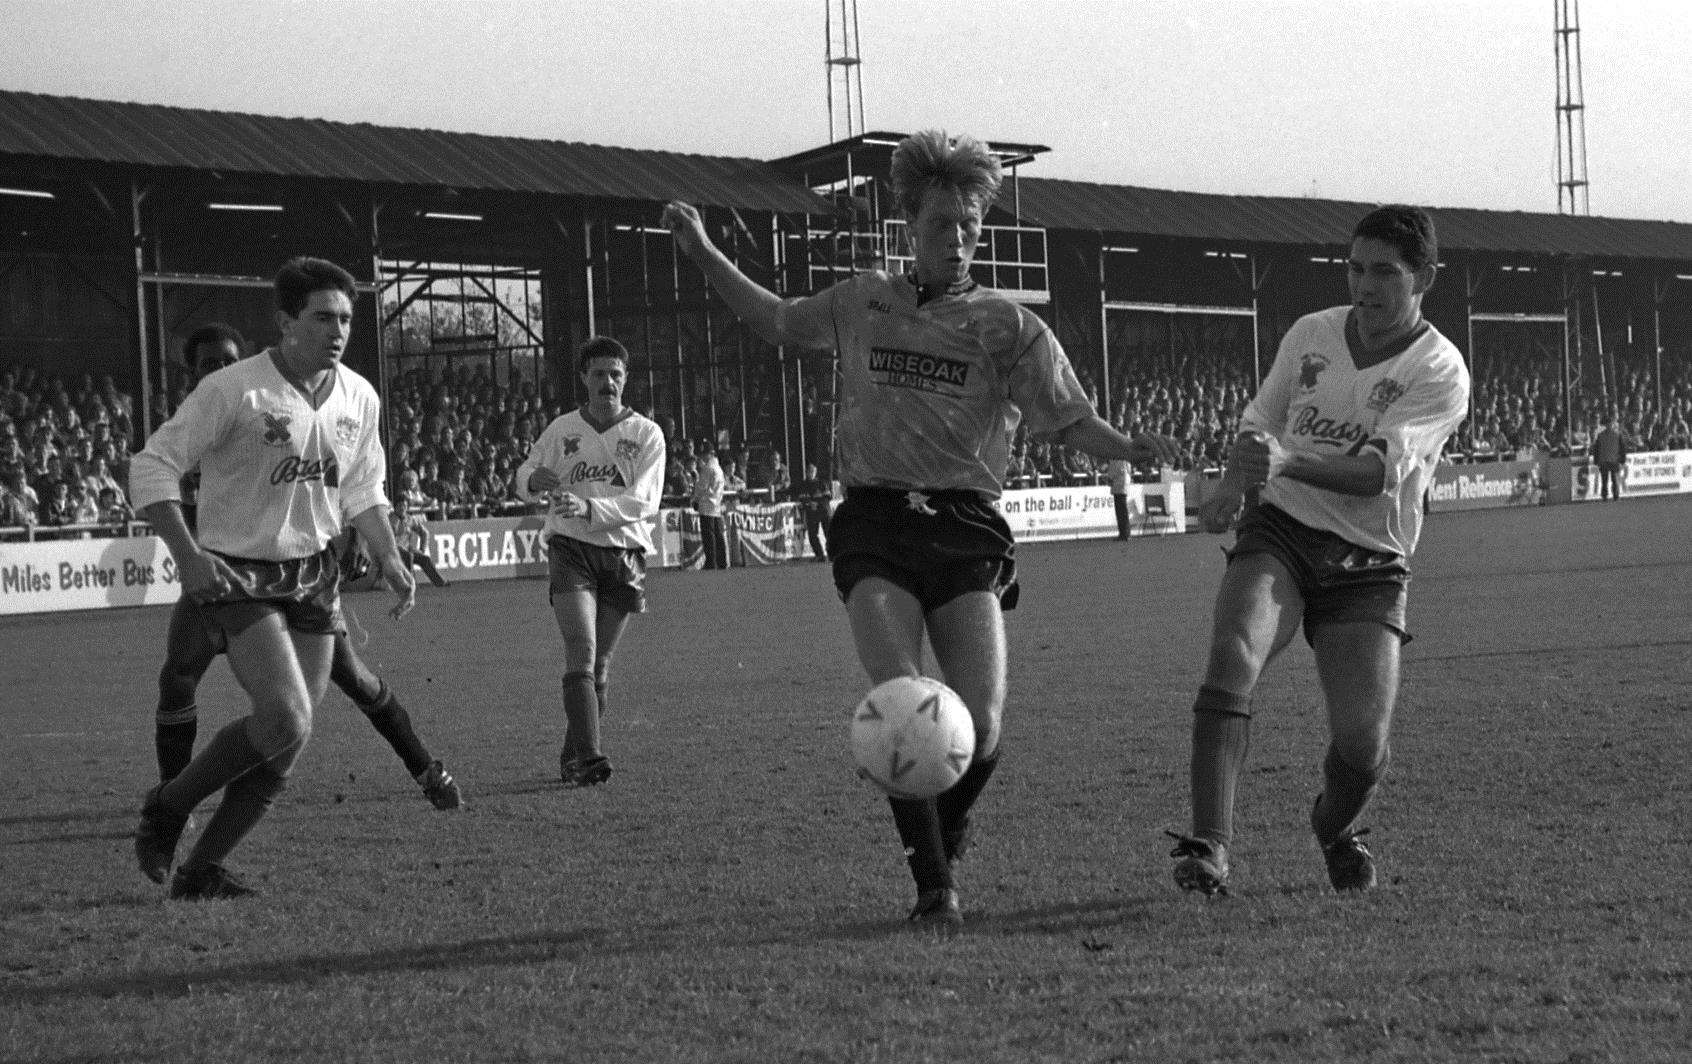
912, 737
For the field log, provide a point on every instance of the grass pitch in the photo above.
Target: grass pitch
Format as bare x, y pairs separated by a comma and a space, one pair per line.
735, 894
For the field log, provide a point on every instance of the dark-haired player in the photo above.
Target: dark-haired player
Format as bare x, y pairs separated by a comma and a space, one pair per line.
935, 373
288, 448
1341, 439
600, 471
192, 645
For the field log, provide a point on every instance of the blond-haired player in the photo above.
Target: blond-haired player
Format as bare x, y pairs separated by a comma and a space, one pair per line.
936, 371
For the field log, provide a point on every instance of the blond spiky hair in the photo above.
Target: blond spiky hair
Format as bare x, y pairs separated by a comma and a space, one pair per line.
961, 166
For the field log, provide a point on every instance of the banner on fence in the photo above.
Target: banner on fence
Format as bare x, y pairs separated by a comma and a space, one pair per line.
1088, 512
51, 575
1483, 485
1657, 473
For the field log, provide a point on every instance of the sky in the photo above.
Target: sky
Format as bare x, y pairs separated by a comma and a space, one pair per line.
1440, 102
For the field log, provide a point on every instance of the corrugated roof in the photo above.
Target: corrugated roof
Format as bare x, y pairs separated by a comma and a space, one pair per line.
63, 127
1133, 211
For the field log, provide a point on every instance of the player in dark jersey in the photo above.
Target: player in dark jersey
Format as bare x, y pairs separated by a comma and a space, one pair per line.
192, 645
935, 373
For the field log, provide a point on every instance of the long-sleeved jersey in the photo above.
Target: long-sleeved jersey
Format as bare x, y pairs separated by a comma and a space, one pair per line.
1325, 395
620, 472
277, 478
932, 390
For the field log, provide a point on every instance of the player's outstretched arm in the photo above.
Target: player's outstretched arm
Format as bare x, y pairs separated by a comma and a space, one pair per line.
378, 535
751, 302
1095, 436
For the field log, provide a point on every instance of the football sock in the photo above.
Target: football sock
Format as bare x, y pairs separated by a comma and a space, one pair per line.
1221, 736
602, 695
954, 804
919, 830
173, 739
229, 754
581, 716
1345, 791
245, 801
393, 723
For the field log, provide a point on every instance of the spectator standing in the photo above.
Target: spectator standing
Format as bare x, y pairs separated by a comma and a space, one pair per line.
1609, 450
1120, 472
813, 495
708, 502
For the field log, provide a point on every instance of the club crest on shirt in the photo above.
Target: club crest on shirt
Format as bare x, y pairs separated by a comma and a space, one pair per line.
1309, 369
1384, 394
346, 430
276, 429
572, 444
628, 450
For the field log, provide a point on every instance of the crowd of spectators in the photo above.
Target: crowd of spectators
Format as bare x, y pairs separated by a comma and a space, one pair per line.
458, 434
64, 451
1519, 410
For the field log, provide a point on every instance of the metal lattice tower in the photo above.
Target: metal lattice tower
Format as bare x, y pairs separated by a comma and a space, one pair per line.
844, 78
1572, 184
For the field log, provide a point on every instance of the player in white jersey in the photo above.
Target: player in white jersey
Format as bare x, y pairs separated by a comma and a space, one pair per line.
600, 471
192, 645
287, 446
1338, 444
936, 373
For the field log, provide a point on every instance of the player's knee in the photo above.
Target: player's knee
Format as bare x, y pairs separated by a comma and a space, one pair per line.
280, 730
1361, 764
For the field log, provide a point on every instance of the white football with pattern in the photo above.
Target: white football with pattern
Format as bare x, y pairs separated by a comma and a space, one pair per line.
912, 737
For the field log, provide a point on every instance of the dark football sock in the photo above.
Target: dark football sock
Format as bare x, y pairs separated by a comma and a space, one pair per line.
919, 831
581, 716
174, 732
954, 804
393, 723
1345, 792
229, 754
1221, 737
602, 695
245, 801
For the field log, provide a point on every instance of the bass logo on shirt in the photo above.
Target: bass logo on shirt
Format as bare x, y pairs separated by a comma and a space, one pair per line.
294, 468
1309, 369
1384, 394
911, 369
276, 429
605, 474
628, 450
572, 444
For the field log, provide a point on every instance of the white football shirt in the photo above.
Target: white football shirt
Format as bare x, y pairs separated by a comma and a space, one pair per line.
277, 478
1324, 395
620, 472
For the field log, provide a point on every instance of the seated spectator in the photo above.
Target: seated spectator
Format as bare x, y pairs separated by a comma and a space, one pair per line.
114, 509
19, 505
734, 485
57, 510
85, 504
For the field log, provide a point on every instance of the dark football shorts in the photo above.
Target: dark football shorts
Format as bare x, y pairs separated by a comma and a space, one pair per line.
304, 591
936, 545
616, 574
1339, 580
